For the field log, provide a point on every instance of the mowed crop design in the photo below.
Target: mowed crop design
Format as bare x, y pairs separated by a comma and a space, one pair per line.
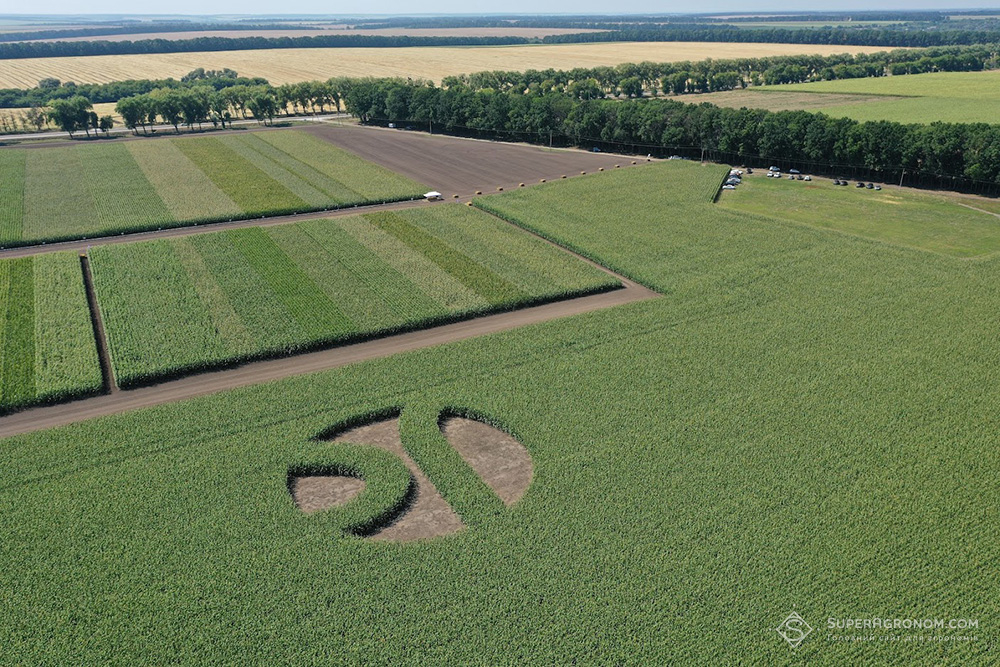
139, 185
46, 340
705, 463
173, 306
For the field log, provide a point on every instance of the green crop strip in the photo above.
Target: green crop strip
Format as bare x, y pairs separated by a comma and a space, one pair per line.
19, 335
263, 313
484, 282
312, 309
252, 189
354, 174
182, 186
311, 196
397, 294
12, 165
109, 188
66, 362
320, 188
359, 303
72, 212
120, 190
150, 273
428, 278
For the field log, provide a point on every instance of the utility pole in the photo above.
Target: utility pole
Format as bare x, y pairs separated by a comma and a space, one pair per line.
901, 178
550, 138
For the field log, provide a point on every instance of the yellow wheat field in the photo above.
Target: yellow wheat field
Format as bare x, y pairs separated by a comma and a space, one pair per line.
101, 109
292, 65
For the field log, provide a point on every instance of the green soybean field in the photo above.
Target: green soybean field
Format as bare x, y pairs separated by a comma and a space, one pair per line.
172, 306
59, 193
46, 338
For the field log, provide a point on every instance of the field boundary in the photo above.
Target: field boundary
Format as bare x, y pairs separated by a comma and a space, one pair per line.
207, 222
192, 386
205, 228
337, 341
108, 381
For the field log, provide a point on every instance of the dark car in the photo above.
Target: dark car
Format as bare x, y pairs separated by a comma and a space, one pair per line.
859, 185
870, 186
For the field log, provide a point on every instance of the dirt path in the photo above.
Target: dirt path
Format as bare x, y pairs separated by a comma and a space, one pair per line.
45, 417
97, 321
451, 165
981, 210
174, 232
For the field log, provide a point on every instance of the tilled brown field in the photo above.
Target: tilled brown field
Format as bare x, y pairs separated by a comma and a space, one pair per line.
462, 166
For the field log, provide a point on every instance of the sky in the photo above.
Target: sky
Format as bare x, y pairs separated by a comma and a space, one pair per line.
410, 8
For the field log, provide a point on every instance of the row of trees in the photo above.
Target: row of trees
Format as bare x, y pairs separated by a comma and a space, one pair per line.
137, 28
49, 89
841, 35
16, 50
677, 78
77, 114
23, 120
813, 141
203, 104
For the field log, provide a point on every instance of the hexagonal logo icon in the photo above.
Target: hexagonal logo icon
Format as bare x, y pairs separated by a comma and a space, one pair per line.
794, 629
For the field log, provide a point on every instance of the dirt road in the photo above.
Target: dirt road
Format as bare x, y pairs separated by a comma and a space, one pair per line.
453, 165
264, 371
450, 165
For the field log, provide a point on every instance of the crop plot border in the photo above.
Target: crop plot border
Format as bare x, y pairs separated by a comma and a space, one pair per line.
257, 372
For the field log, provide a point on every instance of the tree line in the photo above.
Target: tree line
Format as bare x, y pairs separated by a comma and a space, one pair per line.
842, 36
49, 89
887, 36
202, 104
16, 50
137, 28
678, 78
883, 149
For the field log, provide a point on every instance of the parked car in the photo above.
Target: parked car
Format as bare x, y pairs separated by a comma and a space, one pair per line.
728, 187
794, 171
772, 168
878, 187
870, 186
859, 184
807, 178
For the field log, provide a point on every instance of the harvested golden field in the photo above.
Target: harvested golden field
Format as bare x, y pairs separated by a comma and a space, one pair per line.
293, 65
13, 116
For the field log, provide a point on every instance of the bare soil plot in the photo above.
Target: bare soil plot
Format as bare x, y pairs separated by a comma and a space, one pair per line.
429, 515
313, 493
497, 457
462, 166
